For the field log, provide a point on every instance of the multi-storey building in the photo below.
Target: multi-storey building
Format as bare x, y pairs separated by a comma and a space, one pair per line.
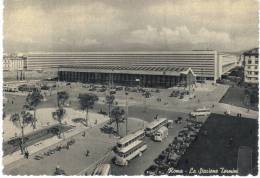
251, 66
206, 64
13, 62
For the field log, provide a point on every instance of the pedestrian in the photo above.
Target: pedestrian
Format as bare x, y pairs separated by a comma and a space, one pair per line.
87, 154
84, 134
26, 154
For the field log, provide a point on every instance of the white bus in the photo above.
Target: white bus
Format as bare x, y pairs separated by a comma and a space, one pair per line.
152, 127
129, 139
200, 112
129, 147
160, 134
102, 170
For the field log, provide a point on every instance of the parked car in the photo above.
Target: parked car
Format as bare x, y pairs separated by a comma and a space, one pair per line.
151, 171
162, 170
161, 159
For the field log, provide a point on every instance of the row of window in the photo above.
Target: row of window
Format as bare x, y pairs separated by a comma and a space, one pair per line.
251, 61
251, 67
139, 137
252, 73
252, 78
124, 155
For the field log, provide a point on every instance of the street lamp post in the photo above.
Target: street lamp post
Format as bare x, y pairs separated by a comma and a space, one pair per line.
126, 112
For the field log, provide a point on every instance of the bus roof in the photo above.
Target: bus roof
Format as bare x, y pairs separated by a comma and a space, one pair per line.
102, 169
202, 109
162, 129
155, 122
130, 137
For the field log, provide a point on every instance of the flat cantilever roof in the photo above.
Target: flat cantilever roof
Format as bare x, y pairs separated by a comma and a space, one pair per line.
146, 70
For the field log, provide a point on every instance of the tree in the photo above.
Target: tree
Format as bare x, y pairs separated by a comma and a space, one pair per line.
62, 97
87, 101
147, 94
58, 115
33, 99
21, 121
110, 99
117, 115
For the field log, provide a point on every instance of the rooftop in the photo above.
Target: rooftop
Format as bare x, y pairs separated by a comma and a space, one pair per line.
135, 68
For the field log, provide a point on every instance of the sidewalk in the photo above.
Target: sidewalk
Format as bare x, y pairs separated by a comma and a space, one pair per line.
234, 110
8, 159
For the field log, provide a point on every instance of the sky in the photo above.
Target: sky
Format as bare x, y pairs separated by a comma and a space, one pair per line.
129, 25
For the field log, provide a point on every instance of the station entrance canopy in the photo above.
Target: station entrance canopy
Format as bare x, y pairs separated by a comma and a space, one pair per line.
129, 75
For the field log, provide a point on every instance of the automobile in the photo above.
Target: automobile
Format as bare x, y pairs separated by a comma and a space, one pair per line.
92, 89
133, 90
119, 88
176, 94
107, 129
162, 170
44, 87
161, 159
157, 91
182, 134
102, 112
112, 92
38, 157
102, 90
59, 172
151, 171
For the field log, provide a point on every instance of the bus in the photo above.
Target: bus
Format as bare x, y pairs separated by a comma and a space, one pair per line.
200, 112
160, 134
129, 139
129, 147
152, 127
102, 170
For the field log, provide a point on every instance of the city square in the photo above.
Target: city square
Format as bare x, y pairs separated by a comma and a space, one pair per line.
98, 88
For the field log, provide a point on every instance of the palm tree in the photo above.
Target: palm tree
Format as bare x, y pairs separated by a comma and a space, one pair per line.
117, 115
110, 99
87, 101
21, 121
58, 115
32, 101
62, 97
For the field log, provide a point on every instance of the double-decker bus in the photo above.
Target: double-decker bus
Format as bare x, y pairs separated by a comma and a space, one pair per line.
129, 147
152, 127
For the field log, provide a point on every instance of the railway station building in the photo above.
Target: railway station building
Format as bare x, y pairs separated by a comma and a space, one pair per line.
160, 77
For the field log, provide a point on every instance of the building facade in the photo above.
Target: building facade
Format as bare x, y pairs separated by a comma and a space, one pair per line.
159, 77
251, 66
13, 62
206, 64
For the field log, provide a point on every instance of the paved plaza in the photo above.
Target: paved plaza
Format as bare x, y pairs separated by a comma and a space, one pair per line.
140, 111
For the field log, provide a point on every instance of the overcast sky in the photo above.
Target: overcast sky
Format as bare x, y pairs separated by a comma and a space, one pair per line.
100, 25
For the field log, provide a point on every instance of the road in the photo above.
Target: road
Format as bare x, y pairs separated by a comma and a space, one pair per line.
73, 160
139, 164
